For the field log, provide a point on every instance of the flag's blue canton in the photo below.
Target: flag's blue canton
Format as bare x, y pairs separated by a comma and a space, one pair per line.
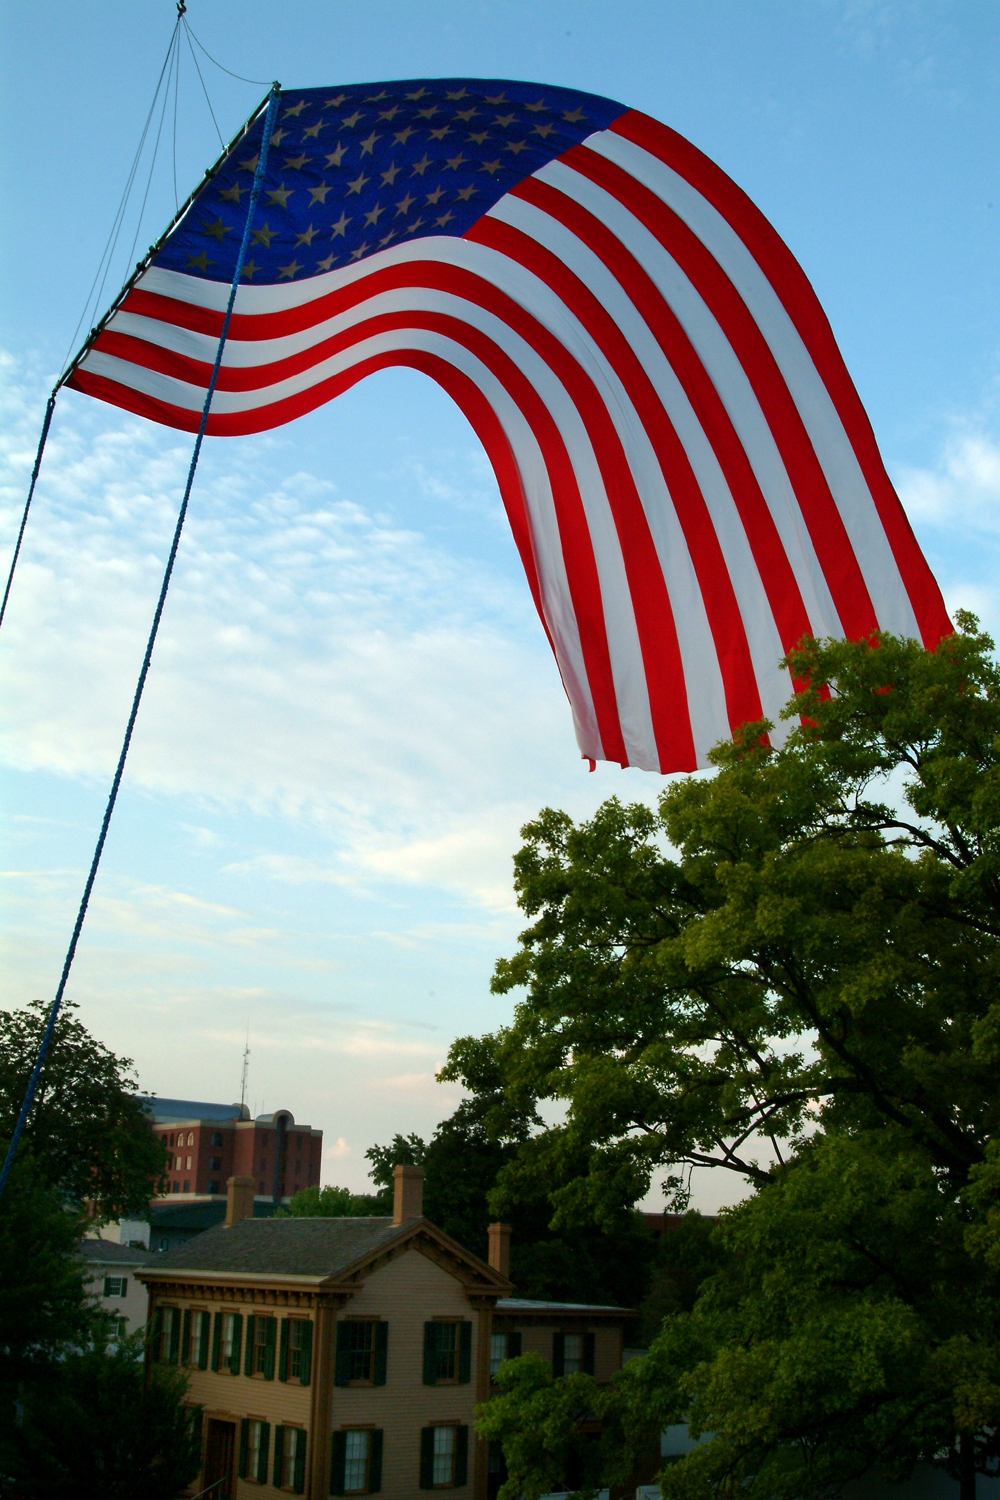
354, 169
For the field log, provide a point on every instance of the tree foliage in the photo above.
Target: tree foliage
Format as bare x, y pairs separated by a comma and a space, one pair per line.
87, 1130
330, 1203
788, 970
103, 1430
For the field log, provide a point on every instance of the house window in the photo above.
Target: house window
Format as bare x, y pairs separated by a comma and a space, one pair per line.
115, 1286
197, 1349
261, 1344
297, 1336
170, 1335
290, 1459
256, 1450
443, 1471
357, 1452
572, 1353
189, 1161
215, 1164
503, 1346
444, 1457
216, 1138
190, 1140
227, 1345
446, 1354
361, 1350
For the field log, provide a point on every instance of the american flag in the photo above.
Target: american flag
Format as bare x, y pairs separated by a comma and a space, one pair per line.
691, 479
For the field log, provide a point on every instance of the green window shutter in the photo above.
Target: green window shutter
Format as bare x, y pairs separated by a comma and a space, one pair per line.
157, 1335
558, 1353
427, 1455
342, 1373
381, 1352
299, 1476
461, 1455
283, 1351
244, 1447
270, 1330
175, 1335
124, 1289
375, 1462
217, 1342
464, 1352
186, 1338
513, 1345
338, 1463
248, 1357
203, 1342
107, 1286
430, 1356
234, 1363
265, 1441
307, 1350
588, 1354
279, 1453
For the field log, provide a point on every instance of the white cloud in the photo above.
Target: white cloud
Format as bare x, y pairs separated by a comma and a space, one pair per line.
962, 490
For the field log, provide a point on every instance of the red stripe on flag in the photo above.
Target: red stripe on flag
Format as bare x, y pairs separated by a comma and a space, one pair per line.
827, 531
800, 301
725, 621
776, 573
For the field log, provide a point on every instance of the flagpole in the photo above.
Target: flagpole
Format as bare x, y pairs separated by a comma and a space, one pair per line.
258, 178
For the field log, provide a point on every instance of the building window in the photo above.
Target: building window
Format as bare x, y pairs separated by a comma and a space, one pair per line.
360, 1341
190, 1140
447, 1352
255, 1438
196, 1352
216, 1138
115, 1286
357, 1450
175, 1186
187, 1187
168, 1346
215, 1164
190, 1161
261, 1187
171, 1138
262, 1355
213, 1187
299, 1332
228, 1346
444, 1457
572, 1353
290, 1459
503, 1346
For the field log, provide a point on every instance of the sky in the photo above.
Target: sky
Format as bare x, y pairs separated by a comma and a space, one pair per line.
352, 709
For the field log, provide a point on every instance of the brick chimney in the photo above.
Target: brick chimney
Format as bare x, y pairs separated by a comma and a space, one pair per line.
239, 1199
408, 1194
499, 1256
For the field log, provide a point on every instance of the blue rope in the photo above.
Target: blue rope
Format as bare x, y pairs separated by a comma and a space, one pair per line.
50, 407
258, 177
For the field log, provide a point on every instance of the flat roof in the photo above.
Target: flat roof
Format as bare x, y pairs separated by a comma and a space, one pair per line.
192, 1109
521, 1305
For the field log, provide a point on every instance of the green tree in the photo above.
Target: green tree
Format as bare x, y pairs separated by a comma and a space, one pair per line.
329, 1203
87, 1130
104, 1430
789, 971
45, 1307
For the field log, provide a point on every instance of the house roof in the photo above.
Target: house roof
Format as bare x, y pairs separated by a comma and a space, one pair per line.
518, 1306
206, 1213
108, 1253
319, 1248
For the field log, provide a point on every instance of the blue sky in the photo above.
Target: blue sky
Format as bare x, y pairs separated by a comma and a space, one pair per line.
352, 708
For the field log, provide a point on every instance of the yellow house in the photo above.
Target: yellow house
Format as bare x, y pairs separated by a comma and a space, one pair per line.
347, 1356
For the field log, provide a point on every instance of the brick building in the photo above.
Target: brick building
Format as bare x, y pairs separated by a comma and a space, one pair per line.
209, 1143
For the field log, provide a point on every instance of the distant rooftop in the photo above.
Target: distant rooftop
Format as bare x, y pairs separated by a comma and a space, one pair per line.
107, 1252
163, 1110
520, 1305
